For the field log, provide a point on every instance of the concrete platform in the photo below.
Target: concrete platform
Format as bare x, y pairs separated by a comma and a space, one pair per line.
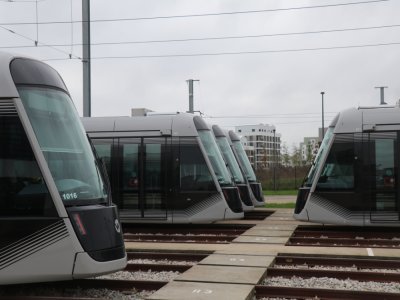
223, 274
281, 217
280, 199
232, 270
176, 290
267, 232
261, 261
269, 221
260, 239
192, 247
275, 227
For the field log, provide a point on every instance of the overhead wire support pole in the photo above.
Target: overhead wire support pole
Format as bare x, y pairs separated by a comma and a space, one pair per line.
37, 24
191, 105
382, 93
86, 58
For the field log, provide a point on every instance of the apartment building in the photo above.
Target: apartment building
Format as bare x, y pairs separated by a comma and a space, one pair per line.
265, 142
309, 149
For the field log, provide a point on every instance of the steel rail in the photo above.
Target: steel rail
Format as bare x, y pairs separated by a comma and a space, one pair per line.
119, 285
179, 256
360, 263
191, 229
210, 239
343, 242
347, 234
157, 267
331, 294
354, 275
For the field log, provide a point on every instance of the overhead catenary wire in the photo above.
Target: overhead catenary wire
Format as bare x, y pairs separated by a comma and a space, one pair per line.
270, 117
239, 52
71, 56
204, 14
278, 123
277, 116
221, 37
21, 1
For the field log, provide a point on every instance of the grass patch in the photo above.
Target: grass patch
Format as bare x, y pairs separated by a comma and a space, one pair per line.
280, 192
280, 205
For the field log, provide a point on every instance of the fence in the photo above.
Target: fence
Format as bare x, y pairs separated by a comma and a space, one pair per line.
282, 178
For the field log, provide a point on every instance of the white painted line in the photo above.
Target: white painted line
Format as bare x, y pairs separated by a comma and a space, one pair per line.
370, 252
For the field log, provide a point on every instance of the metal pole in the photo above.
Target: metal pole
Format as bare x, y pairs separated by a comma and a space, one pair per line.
191, 106
191, 109
323, 125
86, 58
382, 93
273, 157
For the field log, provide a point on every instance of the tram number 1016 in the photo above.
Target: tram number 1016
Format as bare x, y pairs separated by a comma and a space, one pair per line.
69, 196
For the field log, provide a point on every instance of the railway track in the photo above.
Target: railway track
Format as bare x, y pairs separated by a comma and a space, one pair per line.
100, 287
199, 233
341, 236
328, 277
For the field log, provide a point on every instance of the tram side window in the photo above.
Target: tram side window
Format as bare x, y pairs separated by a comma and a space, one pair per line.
194, 172
129, 174
153, 164
63, 144
338, 171
23, 191
130, 166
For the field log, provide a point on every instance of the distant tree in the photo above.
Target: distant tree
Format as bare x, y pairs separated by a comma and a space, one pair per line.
285, 155
309, 155
296, 156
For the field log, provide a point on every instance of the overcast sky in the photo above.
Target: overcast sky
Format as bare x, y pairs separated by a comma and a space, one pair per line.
279, 87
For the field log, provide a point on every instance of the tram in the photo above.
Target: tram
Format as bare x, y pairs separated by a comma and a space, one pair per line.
233, 167
355, 177
245, 165
57, 221
165, 168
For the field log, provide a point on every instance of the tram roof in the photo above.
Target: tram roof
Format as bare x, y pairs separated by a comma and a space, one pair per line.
367, 119
7, 85
178, 124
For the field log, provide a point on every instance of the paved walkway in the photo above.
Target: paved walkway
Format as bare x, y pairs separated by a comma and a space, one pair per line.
232, 271
280, 199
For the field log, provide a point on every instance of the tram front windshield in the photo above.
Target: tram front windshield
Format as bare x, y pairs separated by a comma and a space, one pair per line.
65, 146
217, 162
244, 161
230, 159
319, 158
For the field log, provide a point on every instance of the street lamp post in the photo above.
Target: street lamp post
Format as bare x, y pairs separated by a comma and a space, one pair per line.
323, 126
274, 159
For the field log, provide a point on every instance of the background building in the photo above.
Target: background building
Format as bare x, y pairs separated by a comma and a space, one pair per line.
265, 141
309, 149
250, 150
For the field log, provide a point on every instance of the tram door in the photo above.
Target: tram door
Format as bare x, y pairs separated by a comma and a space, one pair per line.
142, 177
383, 152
